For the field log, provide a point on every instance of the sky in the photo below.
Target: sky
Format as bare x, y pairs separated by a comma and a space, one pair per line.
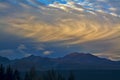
54, 28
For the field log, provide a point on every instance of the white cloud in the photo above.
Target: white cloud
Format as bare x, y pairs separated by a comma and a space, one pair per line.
4, 6
47, 52
114, 14
40, 48
112, 9
22, 47
27, 55
6, 52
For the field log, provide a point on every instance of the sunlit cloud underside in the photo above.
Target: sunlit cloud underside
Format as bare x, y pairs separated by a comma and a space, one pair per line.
67, 23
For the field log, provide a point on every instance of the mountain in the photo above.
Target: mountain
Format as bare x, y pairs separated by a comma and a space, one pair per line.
73, 61
4, 60
41, 63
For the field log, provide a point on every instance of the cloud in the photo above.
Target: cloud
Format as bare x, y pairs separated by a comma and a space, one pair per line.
22, 47
90, 25
109, 55
6, 52
40, 48
27, 55
68, 31
11, 54
3, 6
47, 52
19, 52
113, 9
67, 7
114, 14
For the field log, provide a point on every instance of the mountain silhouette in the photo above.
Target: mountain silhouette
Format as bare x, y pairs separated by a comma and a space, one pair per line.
72, 61
4, 60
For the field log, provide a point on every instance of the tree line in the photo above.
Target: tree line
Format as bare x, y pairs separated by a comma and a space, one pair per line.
7, 73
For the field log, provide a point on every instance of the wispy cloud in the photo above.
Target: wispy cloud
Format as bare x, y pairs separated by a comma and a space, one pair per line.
89, 24
47, 52
70, 32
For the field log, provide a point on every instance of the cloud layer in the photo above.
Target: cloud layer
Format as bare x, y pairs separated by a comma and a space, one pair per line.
90, 25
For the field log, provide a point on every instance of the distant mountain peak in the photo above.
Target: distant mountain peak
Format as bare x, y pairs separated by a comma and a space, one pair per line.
83, 57
32, 56
4, 60
77, 54
71, 61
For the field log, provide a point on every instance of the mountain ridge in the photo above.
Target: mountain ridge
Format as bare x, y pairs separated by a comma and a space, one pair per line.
72, 61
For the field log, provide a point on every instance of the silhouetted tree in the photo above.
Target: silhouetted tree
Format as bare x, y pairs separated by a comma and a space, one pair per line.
41, 77
71, 76
2, 72
60, 77
33, 74
27, 76
50, 75
53, 75
9, 73
16, 75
